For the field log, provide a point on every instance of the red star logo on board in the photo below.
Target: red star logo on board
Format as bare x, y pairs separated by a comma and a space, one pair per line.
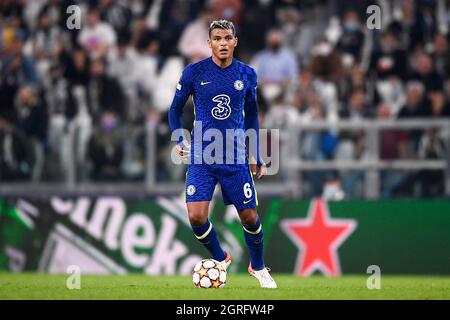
318, 238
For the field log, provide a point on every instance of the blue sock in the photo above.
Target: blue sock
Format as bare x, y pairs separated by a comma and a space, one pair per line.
254, 239
208, 236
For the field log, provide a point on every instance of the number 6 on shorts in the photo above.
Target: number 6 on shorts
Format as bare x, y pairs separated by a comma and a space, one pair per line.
248, 190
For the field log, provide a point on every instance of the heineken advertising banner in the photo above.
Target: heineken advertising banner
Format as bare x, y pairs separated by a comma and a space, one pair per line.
115, 235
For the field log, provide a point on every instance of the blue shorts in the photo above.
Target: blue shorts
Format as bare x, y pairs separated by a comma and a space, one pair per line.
236, 182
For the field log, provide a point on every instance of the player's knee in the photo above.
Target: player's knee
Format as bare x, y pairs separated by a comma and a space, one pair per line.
249, 217
197, 218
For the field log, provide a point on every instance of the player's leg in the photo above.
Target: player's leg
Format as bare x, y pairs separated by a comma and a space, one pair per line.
238, 189
254, 235
204, 230
200, 185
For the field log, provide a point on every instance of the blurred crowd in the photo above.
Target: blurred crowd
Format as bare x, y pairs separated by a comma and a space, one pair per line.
78, 101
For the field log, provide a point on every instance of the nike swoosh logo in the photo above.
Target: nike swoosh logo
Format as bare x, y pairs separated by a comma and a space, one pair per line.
204, 83
245, 202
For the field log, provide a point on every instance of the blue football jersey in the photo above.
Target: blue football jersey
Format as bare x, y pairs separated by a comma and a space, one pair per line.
224, 98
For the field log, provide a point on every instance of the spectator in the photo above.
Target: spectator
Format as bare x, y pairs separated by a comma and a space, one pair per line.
105, 93
351, 145
440, 108
140, 29
257, 15
326, 62
17, 67
158, 77
148, 60
76, 66
192, 44
390, 60
425, 72
414, 108
392, 141
281, 115
57, 11
47, 43
441, 55
62, 108
167, 170
122, 66
393, 145
413, 26
117, 14
16, 157
316, 146
305, 88
357, 108
172, 20
351, 41
11, 8
326, 67
301, 30
276, 66
389, 67
431, 147
106, 149
354, 79
96, 36
32, 117
32, 113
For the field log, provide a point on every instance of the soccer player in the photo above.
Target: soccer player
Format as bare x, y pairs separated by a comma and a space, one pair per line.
223, 90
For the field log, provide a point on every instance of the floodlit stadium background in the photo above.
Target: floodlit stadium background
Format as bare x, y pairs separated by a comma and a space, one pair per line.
363, 119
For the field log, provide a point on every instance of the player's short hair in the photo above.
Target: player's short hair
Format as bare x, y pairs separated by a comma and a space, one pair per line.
222, 24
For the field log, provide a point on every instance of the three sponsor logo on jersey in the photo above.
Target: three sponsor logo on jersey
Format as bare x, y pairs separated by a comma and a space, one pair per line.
222, 110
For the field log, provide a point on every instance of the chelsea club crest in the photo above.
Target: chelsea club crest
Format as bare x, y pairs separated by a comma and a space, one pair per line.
238, 85
190, 190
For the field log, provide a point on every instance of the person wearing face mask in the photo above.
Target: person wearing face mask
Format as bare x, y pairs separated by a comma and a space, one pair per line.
106, 149
352, 39
276, 66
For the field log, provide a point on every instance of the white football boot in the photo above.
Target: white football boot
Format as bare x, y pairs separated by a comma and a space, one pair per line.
226, 263
263, 276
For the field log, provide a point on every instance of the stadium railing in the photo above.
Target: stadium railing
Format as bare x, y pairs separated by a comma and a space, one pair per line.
371, 164
289, 182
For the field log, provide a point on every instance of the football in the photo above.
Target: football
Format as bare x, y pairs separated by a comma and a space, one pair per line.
209, 273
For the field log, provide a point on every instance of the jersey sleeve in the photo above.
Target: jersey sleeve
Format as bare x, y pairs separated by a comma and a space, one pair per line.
251, 116
184, 89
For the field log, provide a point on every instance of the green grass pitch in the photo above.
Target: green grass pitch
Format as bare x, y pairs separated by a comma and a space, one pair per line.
239, 286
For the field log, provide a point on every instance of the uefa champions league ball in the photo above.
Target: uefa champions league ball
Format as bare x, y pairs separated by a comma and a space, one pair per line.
209, 273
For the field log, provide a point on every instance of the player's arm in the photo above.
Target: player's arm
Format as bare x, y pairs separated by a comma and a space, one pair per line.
184, 89
251, 122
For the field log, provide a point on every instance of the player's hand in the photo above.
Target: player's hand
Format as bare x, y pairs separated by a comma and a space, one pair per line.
185, 151
258, 172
